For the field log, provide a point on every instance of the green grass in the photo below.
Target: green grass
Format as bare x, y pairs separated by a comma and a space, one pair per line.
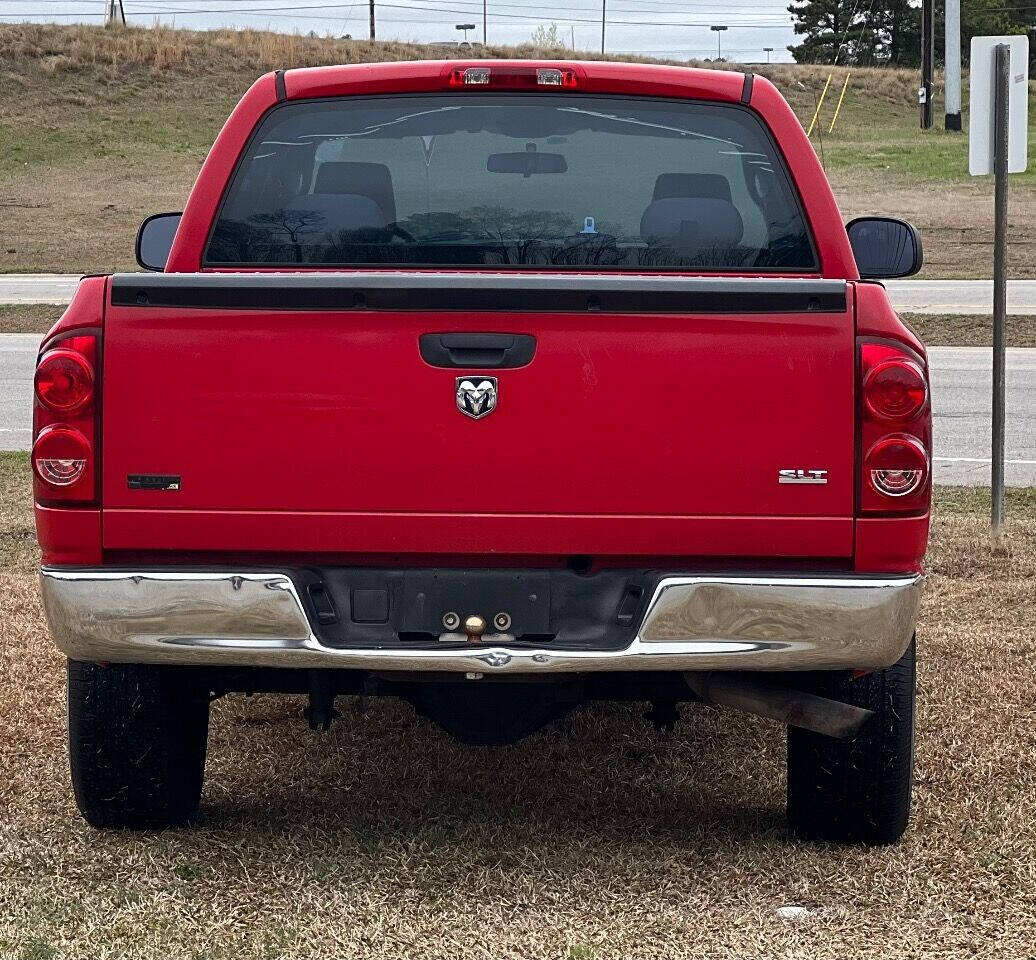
892, 142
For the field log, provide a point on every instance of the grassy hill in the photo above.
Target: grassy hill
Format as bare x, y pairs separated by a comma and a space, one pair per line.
100, 127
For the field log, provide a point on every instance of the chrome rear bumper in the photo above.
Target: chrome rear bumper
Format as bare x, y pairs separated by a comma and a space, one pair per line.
691, 623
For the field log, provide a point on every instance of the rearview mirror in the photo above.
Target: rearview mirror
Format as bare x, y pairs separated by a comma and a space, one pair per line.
526, 163
155, 240
885, 248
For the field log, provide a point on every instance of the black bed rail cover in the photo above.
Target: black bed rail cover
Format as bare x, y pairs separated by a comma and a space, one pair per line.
499, 292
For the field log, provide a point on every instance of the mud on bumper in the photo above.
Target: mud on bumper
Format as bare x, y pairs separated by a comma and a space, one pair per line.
683, 623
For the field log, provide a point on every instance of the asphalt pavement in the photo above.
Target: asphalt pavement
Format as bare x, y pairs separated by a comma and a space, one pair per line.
961, 392
907, 296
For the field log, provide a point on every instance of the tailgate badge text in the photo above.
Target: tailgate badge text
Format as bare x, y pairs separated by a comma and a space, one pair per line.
476, 396
802, 476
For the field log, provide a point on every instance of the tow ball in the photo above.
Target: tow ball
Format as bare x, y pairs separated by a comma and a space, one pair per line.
474, 627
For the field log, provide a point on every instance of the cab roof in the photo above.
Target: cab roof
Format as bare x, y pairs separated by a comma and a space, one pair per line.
588, 76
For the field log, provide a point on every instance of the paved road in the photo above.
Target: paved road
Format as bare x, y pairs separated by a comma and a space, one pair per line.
959, 296
908, 296
17, 361
961, 387
37, 287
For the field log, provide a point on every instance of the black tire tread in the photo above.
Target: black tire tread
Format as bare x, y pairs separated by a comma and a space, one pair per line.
857, 790
137, 740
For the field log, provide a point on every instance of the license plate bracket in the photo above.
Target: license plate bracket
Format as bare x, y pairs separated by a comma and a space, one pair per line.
523, 596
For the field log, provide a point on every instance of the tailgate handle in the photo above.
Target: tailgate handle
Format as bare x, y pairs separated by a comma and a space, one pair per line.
501, 350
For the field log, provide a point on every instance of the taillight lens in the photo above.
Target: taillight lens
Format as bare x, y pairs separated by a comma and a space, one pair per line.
895, 430
896, 466
895, 389
60, 456
65, 421
64, 380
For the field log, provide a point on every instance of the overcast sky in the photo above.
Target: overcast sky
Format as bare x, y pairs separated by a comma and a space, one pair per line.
654, 27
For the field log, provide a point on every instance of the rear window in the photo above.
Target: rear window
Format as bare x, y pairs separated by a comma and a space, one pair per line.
512, 180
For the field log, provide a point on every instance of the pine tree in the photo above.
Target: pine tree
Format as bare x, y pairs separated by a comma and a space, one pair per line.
823, 25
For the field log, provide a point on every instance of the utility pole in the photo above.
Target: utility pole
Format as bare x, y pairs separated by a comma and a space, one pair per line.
604, 8
925, 94
484, 31
768, 51
718, 30
953, 65
373, 37
114, 14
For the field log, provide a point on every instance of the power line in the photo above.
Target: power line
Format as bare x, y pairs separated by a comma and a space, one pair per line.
753, 24
427, 8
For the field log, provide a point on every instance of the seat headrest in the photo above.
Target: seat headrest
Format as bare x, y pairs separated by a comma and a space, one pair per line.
340, 211
710, 186
692, 225
365, 179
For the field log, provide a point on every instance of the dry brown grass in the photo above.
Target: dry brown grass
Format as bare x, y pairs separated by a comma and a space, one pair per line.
951, 330
596, 838
28, 318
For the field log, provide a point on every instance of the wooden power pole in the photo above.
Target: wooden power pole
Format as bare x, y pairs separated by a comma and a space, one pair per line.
373, 37
114, 14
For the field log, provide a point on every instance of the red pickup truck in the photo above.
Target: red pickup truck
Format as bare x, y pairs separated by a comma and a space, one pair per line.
498, 386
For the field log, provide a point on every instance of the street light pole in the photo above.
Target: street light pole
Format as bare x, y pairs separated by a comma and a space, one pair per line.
718, 29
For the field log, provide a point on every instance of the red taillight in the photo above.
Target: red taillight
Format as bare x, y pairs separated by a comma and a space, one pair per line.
513, 76
895, 430
896, 466
64, 451
895, 389
60, 456
64, 380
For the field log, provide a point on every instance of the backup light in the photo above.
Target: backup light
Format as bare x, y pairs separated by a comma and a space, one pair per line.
897, 465
59, 455
476, 76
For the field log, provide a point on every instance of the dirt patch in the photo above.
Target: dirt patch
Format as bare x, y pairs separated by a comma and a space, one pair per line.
947, 330
955, 220
29, 318
597, 838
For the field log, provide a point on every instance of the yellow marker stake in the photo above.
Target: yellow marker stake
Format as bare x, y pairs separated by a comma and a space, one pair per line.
820, 103
845, 86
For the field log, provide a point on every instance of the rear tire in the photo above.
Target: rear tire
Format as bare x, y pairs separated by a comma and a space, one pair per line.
136, 741
857, 790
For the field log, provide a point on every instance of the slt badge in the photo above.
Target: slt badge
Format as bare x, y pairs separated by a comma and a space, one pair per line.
476, 396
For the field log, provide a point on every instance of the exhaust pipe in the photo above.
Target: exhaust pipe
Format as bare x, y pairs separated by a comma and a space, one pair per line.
767, 699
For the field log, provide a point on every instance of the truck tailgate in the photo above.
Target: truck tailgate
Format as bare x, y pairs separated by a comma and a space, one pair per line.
296, 412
